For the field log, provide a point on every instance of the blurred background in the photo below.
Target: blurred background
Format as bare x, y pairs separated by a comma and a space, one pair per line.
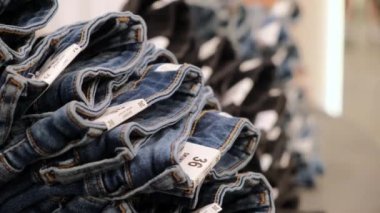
339, 47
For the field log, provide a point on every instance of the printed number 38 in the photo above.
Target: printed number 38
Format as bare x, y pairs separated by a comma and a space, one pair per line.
197, 162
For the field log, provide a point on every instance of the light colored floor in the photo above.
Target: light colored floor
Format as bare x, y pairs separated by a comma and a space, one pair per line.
350, 146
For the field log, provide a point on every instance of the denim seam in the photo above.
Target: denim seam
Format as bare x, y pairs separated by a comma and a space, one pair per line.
9, 114
52, 8
179, 112
142, 77
34, 145
74, 120
228, 141
195, 125
237, 183
37, 58
128, 177
183, 133
172, 84
7, 166
100, 184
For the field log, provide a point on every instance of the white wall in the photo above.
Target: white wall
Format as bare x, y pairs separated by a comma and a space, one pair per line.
320, 34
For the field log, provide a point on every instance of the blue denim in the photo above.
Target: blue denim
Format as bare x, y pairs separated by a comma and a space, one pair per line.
123, 142
19, 89
114, 183
71, 125
19, 21
83, 204
248, 192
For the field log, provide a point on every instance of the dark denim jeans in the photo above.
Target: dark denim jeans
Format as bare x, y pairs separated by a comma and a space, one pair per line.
74, 124
116, 40
19, 22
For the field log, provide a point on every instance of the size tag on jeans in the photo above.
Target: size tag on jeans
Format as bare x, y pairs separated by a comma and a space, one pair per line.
160, 4
279, 57
52, 68
160, 42
238, 93
168, 67
212, 208
265, 162
285, 160
208, 48
207, 72
266, 120
250, 65
274, 134
270, 34
275, 193
118, 114
197, 161
274, 92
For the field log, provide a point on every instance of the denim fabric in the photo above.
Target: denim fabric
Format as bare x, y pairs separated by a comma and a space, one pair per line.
82, 205
123, 142
246, 192
19, 89
167, 175
115, 184
70, 126
19, 21
236, 138
178, 25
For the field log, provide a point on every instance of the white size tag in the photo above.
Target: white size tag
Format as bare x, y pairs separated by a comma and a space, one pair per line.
274, 133
274, 92
160, 4
266, 120
275, 193
207, 72
279, 57
237, 93
285, 160
212, 208
265, 162
118, 114
168, 68
225, 114
197, 161
160, 42
269, 35
250, 65
52, 68
282, 9
208, 48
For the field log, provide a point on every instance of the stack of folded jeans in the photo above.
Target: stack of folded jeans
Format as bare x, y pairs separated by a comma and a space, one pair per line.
248, 57
97, 119
19, 20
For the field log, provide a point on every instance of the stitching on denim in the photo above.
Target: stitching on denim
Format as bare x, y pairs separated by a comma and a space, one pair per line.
164, 118
73, 119
127, 175
172, 84
18, 144
100, 184
6, 165
33, 61
237, 183
227, 142
9, 109
34, 145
